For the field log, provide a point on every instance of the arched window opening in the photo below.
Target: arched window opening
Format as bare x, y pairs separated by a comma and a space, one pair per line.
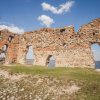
30, 56
50, 62
96, 54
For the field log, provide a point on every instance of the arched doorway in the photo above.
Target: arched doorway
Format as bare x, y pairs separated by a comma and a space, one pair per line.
50, 61
30, 56
96, 53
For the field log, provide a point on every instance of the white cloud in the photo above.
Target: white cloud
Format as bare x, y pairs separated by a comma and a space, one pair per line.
46, 20
58, 10
12, 28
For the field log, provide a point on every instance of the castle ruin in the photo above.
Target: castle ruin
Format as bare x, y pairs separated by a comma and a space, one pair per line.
70, 48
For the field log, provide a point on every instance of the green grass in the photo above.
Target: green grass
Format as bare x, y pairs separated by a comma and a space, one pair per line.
89, 78
73, 73
68, 73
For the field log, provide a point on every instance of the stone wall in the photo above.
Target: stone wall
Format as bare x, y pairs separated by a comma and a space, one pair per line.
11, 41
69, 48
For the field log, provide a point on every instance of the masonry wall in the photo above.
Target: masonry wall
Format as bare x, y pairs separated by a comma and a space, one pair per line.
69, 48
12, 42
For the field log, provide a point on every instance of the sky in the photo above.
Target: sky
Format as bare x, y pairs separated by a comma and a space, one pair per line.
28, 15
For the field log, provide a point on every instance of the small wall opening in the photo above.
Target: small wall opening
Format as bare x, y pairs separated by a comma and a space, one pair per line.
2, 57
0, 35
3, 53
10, 38
96, 53
62, 30
30, 56
50, 62
5, 47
